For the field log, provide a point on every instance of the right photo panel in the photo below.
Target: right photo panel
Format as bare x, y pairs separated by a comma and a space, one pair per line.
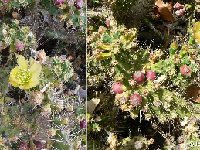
143, 79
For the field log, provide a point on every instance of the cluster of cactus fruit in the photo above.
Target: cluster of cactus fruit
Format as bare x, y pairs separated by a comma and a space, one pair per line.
152, 81
158, 86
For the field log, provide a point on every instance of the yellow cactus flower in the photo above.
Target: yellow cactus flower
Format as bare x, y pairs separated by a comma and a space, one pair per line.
26, 74
196, 32
196, 27
197, 37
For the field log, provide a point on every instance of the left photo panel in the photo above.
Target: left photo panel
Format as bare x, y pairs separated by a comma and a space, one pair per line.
42, 75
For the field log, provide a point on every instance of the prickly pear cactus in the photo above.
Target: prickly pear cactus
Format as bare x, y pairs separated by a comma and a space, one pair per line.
107, 42
162, 97
147, 84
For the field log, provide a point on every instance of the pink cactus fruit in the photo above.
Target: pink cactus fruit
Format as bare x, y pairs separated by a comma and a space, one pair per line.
185, 70
5, 1
23, 146
179, 9
59, 2
108, 22
180, 12
78, 4
151, 75
83, 124
136, 99
139, 77
118, 88
38, 145
178, 6
19, 46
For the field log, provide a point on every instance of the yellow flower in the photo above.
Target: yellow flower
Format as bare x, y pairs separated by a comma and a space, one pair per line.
196, 27
26, 74
197, 37
196, 32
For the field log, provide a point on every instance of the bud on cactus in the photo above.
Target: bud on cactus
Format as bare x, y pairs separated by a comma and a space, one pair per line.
108, 22
180, 12
135, 99
58, 2
83, 124
178, 6
139, 145
46, 111
138, 76
23, 146
185, 70
15, 15
173, 48
118, 88
78, 4
42, 56
37, 97
151, 75
51, 132
38, 145
6, 1
19, 46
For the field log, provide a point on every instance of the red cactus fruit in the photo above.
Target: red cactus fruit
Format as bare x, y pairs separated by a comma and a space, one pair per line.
5, 1
39, 145
59, 2
136, 99
178, 6
185, 70
138, 76
19, 46
180, 12
23, 146
118, 88
78, 4
151, 75
83, 124
108, 22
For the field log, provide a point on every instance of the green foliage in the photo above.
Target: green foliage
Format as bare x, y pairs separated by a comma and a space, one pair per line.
57, 71
14, 4
50, 6
170, 66
109, 41
60, 145
105, 47
67, 12
13, 33
62, 69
